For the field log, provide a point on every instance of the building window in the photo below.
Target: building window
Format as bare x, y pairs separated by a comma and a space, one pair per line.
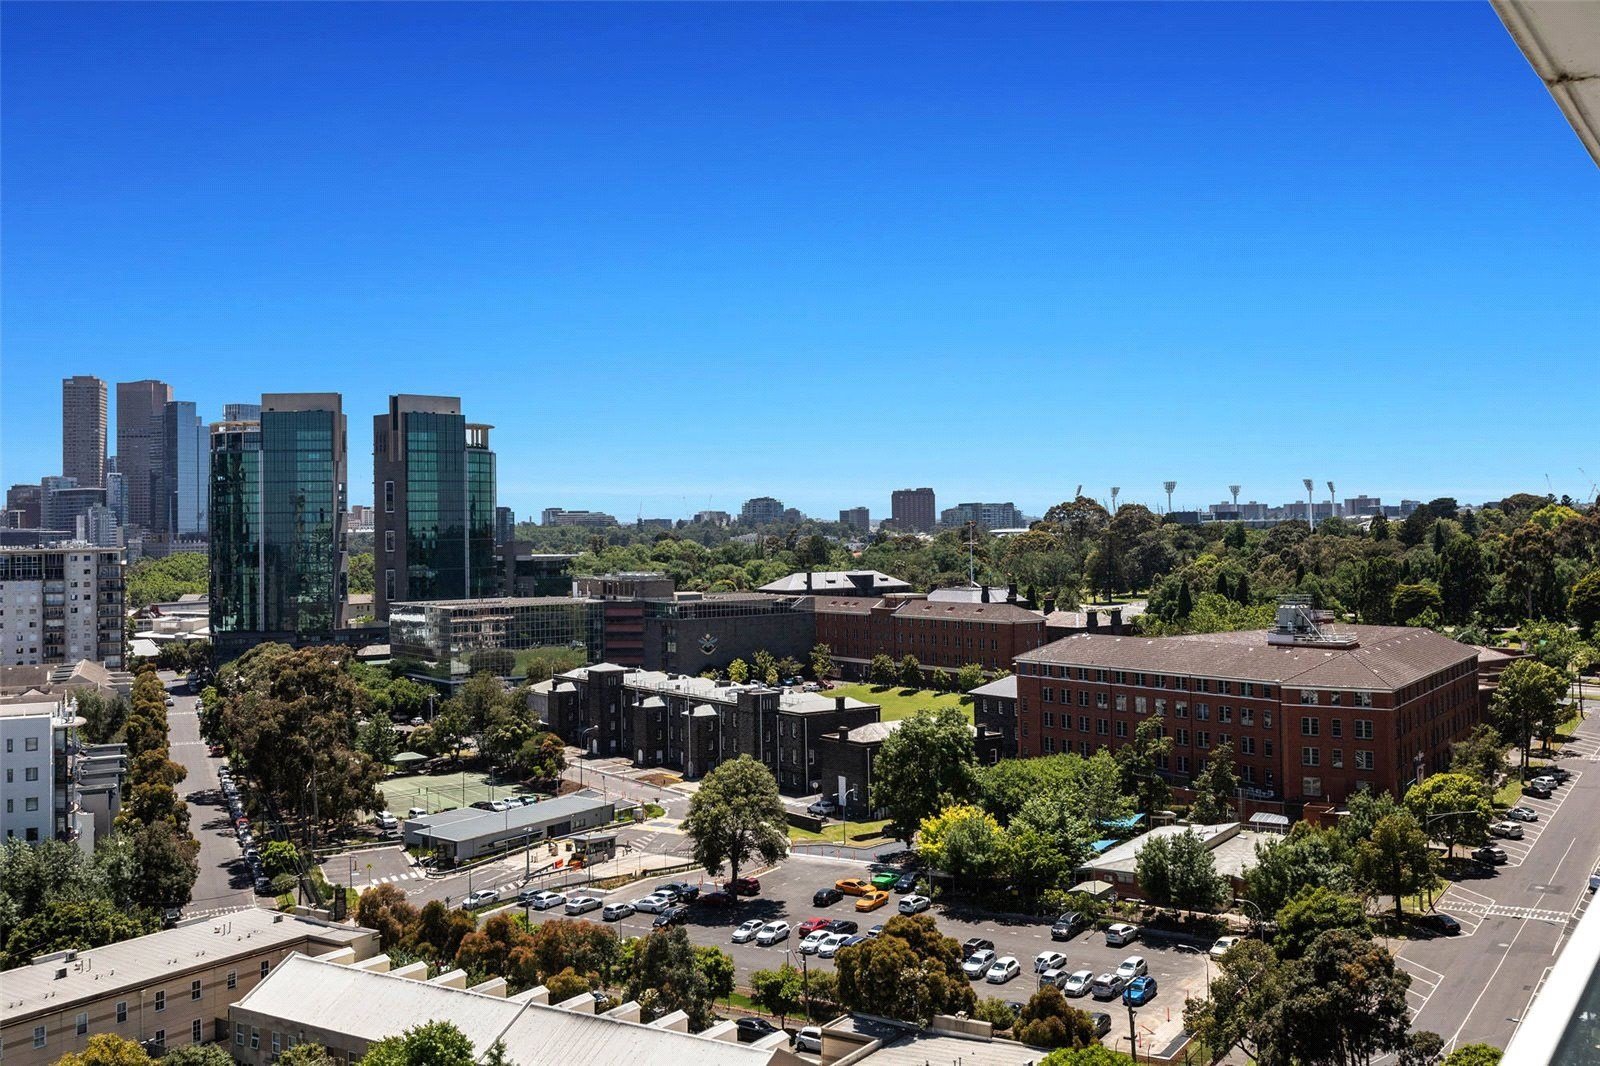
38, 1036
30, 773
1083, 723
1310, 757
161, 1001
1307, 696
1202, 738
265, 966
1122, 728
1247, 716
1335, 727
122, 1011
1100, 700
388, 497
388, 584
161, 1038
277, 1043
1363, 729
196, 1031
1247, 745
1363, 699
1266, 747
233, 978
1083, 697
82, 1022
238, 1034
194, 989
1101, 726
1140, 705
30, 743
388, 541
1049, 745
1049, 720
1310, 727
1180, 710
1266, 719
31, 803
1363, 760
255, 1038
1183, 737
1122, 703
1311, 786
1336, 758
1224, 714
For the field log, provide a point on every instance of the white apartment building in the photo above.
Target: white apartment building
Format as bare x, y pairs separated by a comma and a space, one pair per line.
61, 604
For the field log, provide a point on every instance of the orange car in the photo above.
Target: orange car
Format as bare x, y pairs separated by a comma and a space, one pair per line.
853, 886
871, 901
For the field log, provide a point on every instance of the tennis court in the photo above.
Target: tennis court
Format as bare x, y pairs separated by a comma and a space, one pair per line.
437, 792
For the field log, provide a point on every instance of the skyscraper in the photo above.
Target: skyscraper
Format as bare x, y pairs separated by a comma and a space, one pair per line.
181, 479
241, 412
83, 430
912, 510
140, 407
278, 505
505, 525
434, 492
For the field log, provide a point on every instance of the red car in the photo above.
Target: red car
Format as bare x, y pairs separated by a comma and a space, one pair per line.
744, 886
811, 925
718, 898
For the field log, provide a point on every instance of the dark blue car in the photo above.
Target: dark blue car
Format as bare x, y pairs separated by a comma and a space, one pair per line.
1140, 990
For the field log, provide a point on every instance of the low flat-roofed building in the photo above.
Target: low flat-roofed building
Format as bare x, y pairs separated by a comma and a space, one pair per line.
444, 630
1232, 847
168, 988
468, 832
836, 583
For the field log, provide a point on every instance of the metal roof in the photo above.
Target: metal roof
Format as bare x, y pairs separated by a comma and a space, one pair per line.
471, 823
1561, 41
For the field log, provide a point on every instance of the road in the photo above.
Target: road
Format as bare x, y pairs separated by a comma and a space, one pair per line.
1477, 986
224, 881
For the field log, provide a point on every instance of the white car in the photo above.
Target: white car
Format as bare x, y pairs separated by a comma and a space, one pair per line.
977, 964
582, 904
914, 904
1002, 970
1121, 933
481, 897
831, 944
1077, 983
1131, 967
543, 901
1220, 948
1049, 960
500, 805
747, 932
654, 903
813, 941
823, 808
771, 933
616, 911
809, 1039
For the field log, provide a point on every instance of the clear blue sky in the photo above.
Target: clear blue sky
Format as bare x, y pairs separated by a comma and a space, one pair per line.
683, 254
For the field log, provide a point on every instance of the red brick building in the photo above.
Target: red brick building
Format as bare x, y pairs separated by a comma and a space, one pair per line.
941, 634
1312, 714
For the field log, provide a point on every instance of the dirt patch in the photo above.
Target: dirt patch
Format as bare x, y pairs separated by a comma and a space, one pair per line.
660, 780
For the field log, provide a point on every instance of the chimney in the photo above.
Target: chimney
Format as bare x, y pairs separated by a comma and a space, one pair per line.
1116, 619
1049, 605
838, 703
1093, 618
983, 597
1011, 592
808, 581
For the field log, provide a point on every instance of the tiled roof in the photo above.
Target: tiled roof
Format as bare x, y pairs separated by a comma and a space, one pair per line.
1004, 688
1386, 657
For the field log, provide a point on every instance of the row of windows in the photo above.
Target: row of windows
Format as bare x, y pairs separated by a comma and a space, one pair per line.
1221, 685
1364, 760
80, 1024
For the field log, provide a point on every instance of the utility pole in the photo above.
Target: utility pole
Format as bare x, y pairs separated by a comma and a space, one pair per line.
1133, 1034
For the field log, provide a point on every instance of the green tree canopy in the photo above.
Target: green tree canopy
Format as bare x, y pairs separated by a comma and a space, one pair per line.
922, 767
437, 1043
737, 814
1178, 870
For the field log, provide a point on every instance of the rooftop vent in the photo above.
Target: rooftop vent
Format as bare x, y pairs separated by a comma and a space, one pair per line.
1300, 624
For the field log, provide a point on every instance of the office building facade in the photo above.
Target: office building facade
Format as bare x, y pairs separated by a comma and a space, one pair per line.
446, 630
434, 487
181, 479
83, 430
761, 511
241, 412
857, 518
141, 406
505, 526
912, 510
560, 516
25, 506
984, 515
61, 604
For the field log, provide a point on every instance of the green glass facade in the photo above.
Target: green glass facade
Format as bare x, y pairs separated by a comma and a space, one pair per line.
302, 521
235, 527
436, 505
483, 575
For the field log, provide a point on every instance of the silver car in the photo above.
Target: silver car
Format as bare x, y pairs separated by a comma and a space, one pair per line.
747, 932
977, 964
582, 904
616, 911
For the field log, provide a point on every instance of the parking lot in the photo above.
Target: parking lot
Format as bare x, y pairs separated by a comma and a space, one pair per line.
786, 894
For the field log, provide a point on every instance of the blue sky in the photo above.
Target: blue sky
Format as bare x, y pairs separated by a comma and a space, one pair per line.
680, 255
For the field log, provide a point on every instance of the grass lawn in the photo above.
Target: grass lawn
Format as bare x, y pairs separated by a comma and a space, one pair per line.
858, 833
438, 792
900, 702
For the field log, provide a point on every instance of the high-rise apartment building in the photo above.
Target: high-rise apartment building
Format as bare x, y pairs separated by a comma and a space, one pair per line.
83, 430
60, 604
278, 553
25, 503
761, 511
856, 518
181, 479
141, 406
505, 525
241, 412
63, 501
912, 510
986, 515
434, 489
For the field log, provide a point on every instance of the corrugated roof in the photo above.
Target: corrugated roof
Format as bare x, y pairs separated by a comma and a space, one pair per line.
1004, 688
471, 823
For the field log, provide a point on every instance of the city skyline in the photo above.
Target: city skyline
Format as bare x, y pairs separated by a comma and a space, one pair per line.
706, 207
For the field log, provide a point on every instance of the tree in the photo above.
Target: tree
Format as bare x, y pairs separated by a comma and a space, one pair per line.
1306, 858
922, 767
566, 985
213, 1055
1415, 601
1140, 761
717, 968
1214, 787
279, 857
386, 909
542, 757
1463, 579
667, 976
911, 971
738, 671
1395, 860
1583, 604
1045, 843
72, 923
882, 670
964, 842
1178, 870
997, 1012
429, 1044
304, 1055
778, 991
377, 741
735, 814
107, 1049
910, 672
1527, 702
1481, 756
1451, 808
821, 661
969, 677
764, 667
1343, 1003
1474, 1055
1313, 911
1235, 1013
168, 865
1046, 1020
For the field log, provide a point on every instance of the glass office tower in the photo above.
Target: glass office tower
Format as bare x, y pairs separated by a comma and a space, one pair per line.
235, 526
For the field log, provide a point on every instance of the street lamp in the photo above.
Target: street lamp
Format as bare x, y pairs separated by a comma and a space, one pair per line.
586, 733
1133, 1031
1261, 921
844, 818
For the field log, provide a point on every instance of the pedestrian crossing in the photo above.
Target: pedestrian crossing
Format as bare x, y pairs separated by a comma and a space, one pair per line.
413, 875
1501, 910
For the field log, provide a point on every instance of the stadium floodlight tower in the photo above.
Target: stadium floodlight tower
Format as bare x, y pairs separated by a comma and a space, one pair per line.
1333, 508
1115, 491
1235, 490
1169, 486
1311, 518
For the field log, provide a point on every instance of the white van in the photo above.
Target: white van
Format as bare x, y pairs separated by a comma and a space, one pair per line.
386, 821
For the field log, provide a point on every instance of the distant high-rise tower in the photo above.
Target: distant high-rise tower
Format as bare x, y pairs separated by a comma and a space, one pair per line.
278, 506
83, 430
181, 479
913, 509
857, 518
505, 525
433, 515
141, 406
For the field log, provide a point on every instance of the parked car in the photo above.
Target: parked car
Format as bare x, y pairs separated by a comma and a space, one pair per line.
676, 914
873, 933
717, 898
871, 901
1140, 990
652, 904
747, 932
977, 964
543, 901
482, 897
582, 904
752, 1029
1508, 830
809, 1039
501, 805
831, 943
914, 904
1220, 948
906, 882
744, 886
1102, 1022
483, 805
1121, 933
822, 808
1537, 790
1049, 960
859, 938
1545, 781
771, 933
1052, 977
975, 944
809, 926
1068, 926
1560, 773
813, 940
1108, 986
1441, 923
528, 801
843, 925
417, 812
1002, 970
1077, 983
1133, 966
1490, 855
615, 912
1523, 814
263, 885
826, 897
885, 879
685, 892
853, 886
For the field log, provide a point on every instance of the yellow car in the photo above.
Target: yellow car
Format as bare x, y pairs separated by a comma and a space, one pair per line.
871, 901
853, 886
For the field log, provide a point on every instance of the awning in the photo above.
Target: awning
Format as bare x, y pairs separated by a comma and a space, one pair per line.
406, 758
1269, 821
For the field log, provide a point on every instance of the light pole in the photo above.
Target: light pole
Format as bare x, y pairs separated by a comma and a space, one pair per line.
1133, 1031
844, 818
586, 733
1261, 921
